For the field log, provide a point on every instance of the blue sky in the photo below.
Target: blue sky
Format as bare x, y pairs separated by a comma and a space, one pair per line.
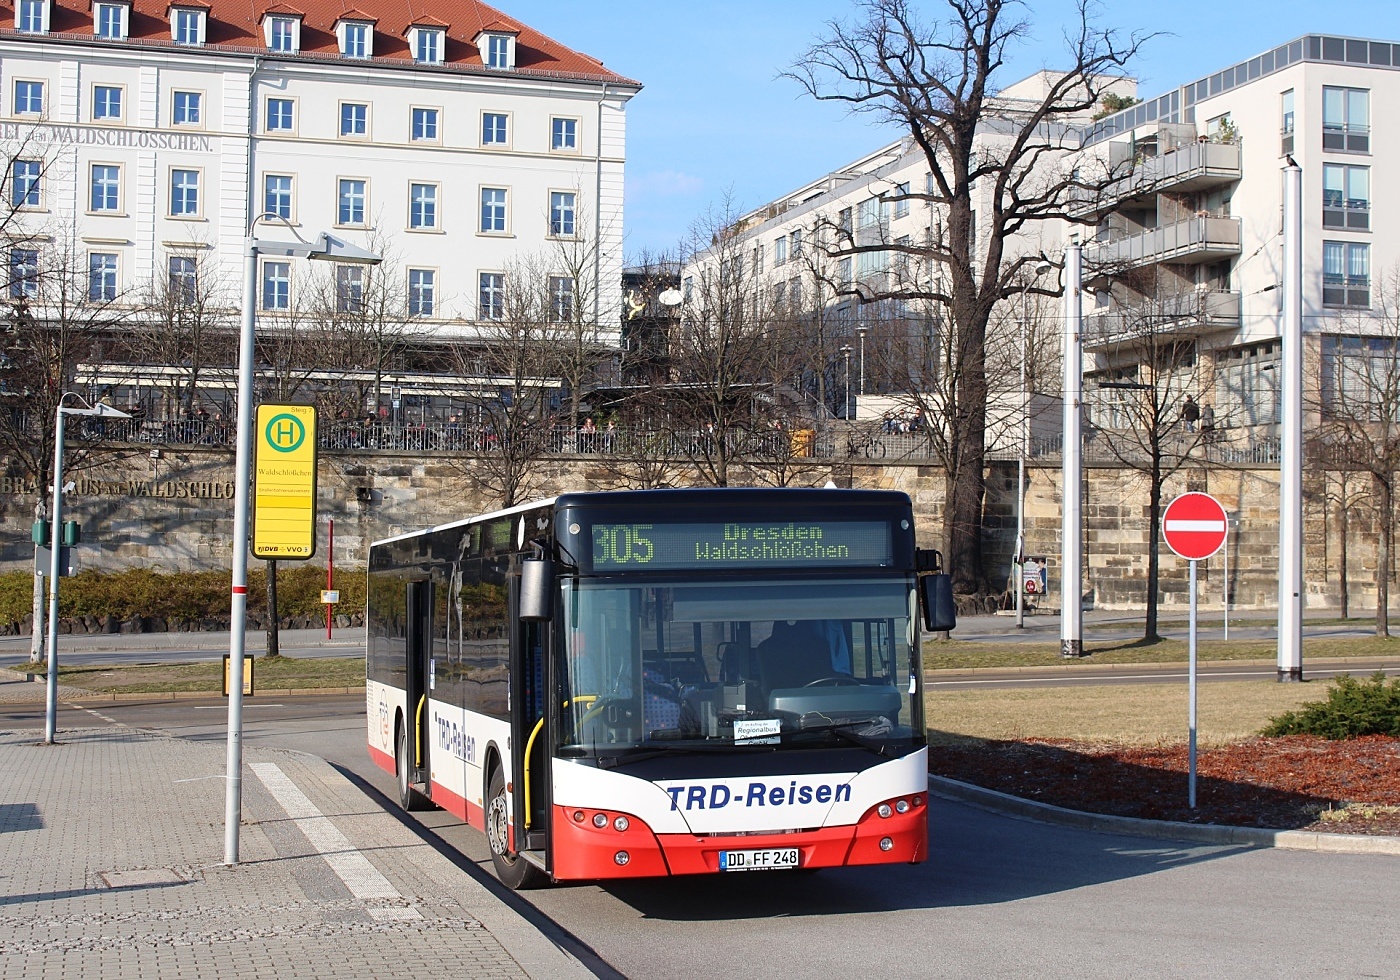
715, 117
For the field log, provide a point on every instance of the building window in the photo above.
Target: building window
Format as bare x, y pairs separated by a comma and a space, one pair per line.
843, 273
795, 294
493, 209
106, 187
563, 134
109, 21
187, 109
758, 259
493, 129
423, 206
102, 277
422, 292
780, 251
1346, 274
1358, 378
1346, 119
351, 207
843, 220
184, 280
1346, 196
354, 40
354, 119
427, 47
187, 27
106, 102
561, 298
184, 193
561, 214
279, 115
901, 207
29, 98
277, 286
349, 288
498, 51
795, 243
1247, 385
491, 303
29, 16
1287, 128
425, 125
24, 183
24, 273
282, 35
277, 195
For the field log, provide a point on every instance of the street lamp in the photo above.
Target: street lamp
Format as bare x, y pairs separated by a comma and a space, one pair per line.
846, 353
1018, 580
861, 330
56, 548
326, 248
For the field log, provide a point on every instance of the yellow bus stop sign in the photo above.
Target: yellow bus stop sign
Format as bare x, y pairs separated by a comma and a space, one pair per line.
284, 482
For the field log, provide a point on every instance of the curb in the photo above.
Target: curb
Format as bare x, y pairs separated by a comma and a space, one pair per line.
1366, 663
1292, 840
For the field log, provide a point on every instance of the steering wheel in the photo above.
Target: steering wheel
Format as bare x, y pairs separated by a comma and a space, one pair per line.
836, 680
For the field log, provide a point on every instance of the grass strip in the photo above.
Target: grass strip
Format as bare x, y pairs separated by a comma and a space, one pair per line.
971, 654
270, 674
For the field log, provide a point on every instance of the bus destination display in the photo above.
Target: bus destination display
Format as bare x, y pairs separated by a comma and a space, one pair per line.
641, 547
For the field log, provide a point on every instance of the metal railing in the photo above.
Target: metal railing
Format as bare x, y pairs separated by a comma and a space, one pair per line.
1203, 234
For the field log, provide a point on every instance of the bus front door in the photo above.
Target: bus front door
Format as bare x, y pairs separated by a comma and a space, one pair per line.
530, 730
415, 770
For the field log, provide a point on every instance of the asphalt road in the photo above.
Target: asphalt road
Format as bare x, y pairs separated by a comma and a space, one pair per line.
1000, 897
1084, 676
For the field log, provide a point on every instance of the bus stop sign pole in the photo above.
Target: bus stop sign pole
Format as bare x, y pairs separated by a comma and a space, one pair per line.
1194, 526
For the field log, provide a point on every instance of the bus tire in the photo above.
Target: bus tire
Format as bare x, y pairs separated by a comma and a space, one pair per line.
514, 871
409, 798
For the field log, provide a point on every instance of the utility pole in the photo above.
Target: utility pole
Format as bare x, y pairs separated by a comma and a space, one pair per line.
1290, 524
1072, 524
36, 632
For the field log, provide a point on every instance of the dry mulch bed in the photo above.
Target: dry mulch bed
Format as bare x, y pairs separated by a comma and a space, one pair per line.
1293, 783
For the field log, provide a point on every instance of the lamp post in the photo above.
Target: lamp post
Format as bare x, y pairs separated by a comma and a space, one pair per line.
1018, 579
327, 248
1071, 515
846, 353
56, 549
862, 330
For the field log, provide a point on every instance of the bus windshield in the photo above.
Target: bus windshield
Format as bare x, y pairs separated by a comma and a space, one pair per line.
775, 663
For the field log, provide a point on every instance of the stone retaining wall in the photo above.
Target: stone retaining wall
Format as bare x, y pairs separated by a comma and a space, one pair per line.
175, 513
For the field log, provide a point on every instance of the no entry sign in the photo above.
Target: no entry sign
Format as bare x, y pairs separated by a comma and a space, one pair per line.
1194, 526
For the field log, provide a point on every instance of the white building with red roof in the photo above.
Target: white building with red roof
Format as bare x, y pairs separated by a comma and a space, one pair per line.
147, 133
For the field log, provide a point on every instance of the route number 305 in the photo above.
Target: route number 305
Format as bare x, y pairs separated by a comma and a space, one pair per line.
622, 544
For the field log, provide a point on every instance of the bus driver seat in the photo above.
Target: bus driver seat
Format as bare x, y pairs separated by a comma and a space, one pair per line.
794, 655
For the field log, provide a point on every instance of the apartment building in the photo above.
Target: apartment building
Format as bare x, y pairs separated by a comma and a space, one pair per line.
1184, 243
143, 136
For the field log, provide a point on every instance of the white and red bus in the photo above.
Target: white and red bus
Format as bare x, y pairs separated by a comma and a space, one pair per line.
662, 682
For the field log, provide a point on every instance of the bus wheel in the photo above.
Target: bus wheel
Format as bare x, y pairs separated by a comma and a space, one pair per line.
515, 872
409, 798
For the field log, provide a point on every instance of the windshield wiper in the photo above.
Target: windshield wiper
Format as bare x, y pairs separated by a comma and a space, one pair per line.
867, 736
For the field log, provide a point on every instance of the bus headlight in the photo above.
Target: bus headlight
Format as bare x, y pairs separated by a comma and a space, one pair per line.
902, 806
886, 844
883, 810
620, 824
622, 857
600, 820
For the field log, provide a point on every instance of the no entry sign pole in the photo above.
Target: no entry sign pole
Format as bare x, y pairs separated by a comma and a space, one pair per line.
1194, 526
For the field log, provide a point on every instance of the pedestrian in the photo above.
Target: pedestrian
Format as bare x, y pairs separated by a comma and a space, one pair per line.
1208, 422
1190, 413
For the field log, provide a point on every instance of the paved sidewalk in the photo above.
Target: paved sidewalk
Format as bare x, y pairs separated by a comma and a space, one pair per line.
111, 848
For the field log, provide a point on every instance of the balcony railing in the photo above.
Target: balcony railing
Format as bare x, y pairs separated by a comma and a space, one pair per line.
1195, 311
1350, 213
1189, 166
1199, 239
1346, 137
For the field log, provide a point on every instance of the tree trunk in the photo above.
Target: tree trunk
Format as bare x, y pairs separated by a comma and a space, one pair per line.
36, 632
1342, 553
1385, 540
1154, 550
273, 647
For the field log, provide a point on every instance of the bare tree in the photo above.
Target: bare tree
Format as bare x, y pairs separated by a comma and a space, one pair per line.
1357, 400
720, 350
1144, 413
569, 267
1004, 160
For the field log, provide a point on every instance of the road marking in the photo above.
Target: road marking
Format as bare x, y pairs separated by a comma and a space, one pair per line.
360, 876
1184, 525
98, 714
223, 707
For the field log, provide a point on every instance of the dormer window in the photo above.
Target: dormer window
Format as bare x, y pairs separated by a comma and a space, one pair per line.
187, 25
427, 43
109, 20
32, 16
497, 49
356, 35
282, 32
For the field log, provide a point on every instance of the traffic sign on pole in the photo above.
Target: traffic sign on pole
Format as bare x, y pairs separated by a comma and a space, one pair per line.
1194, 526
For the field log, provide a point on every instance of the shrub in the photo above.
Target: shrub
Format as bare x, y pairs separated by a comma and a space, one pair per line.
1353, 708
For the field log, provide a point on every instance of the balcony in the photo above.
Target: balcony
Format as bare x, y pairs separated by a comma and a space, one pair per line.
1187, 167
1193, 241
1188, 314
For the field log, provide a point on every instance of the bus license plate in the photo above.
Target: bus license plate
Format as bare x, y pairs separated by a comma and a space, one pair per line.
770, 859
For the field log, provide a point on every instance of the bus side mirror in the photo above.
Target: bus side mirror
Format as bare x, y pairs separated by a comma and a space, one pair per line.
936, 594
537, 589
